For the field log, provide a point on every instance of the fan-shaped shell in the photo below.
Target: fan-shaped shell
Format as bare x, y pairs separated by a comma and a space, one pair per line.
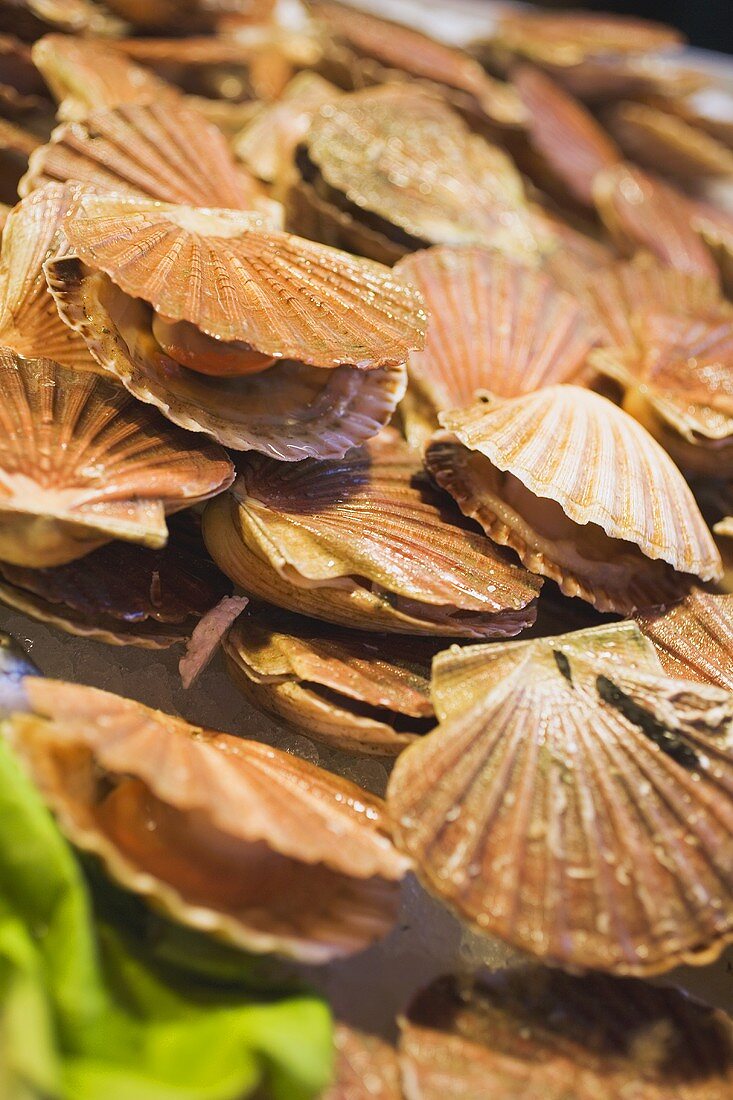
493, 325
576, 802
610, 479
433, 180
694, 639
356, 692
567, 38
291, 411
81, 463
160, 150
236, 279
243, 837
267, 143
665, 143
571, 142
85, 76
365, 1067
541, 1033
365, 542
642, 212
29, 320
394, 48
123, 594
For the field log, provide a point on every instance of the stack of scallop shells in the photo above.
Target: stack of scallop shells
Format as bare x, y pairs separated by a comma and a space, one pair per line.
394, 353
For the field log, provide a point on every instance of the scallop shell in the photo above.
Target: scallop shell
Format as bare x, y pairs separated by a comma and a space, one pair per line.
236, 279
85, 76
665, 143
567, 38
355, 692
623, 493
267, 144
565, 134
642, 212
243, 838
383, 49
81, 464
433, 180
709, 108
575, 802
532, 1032
159, 150
365, 542
493, 326
694, 639
29, 320
366, 1067
291, 411
123, 594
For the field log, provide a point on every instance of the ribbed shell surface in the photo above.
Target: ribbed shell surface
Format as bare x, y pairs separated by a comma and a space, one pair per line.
694, 639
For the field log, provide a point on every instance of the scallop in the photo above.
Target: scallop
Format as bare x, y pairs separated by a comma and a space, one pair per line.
356, 692
575, 801
365, 542
580, 491
225, 835
81, 464
694, 638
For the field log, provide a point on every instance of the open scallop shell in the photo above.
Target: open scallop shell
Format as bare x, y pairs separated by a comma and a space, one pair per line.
614, 508
355, 692
29, 320
541, 1033
123, 594
381, 50
239, 280
291, 411
226, 835
267, 143
81, 463
161, 150
665, 143
573, 146
576, 802
493, 326
365, 542
365, 1067
694, 638
642, 212
430, 183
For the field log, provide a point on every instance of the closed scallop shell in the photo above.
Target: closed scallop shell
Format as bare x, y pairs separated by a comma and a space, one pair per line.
235, 278
493, 325
365, 1067
123, 594
160, 150
575, 801
573, 145
350, 690
665, 143
242, 837
365, 542
535, 1032
291, 411
694, 638
267, 143
85, 75
641, 211
626, 483
29, 320
433, 180
568, 38
81, 463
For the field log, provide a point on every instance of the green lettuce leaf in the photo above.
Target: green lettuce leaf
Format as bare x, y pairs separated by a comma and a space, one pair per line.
87, 1011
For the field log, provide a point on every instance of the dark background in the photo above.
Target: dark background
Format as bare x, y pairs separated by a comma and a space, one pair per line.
706, 23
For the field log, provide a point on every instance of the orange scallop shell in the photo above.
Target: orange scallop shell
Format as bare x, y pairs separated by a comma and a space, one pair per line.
663, 142
694, 638
242, 843
575, 802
